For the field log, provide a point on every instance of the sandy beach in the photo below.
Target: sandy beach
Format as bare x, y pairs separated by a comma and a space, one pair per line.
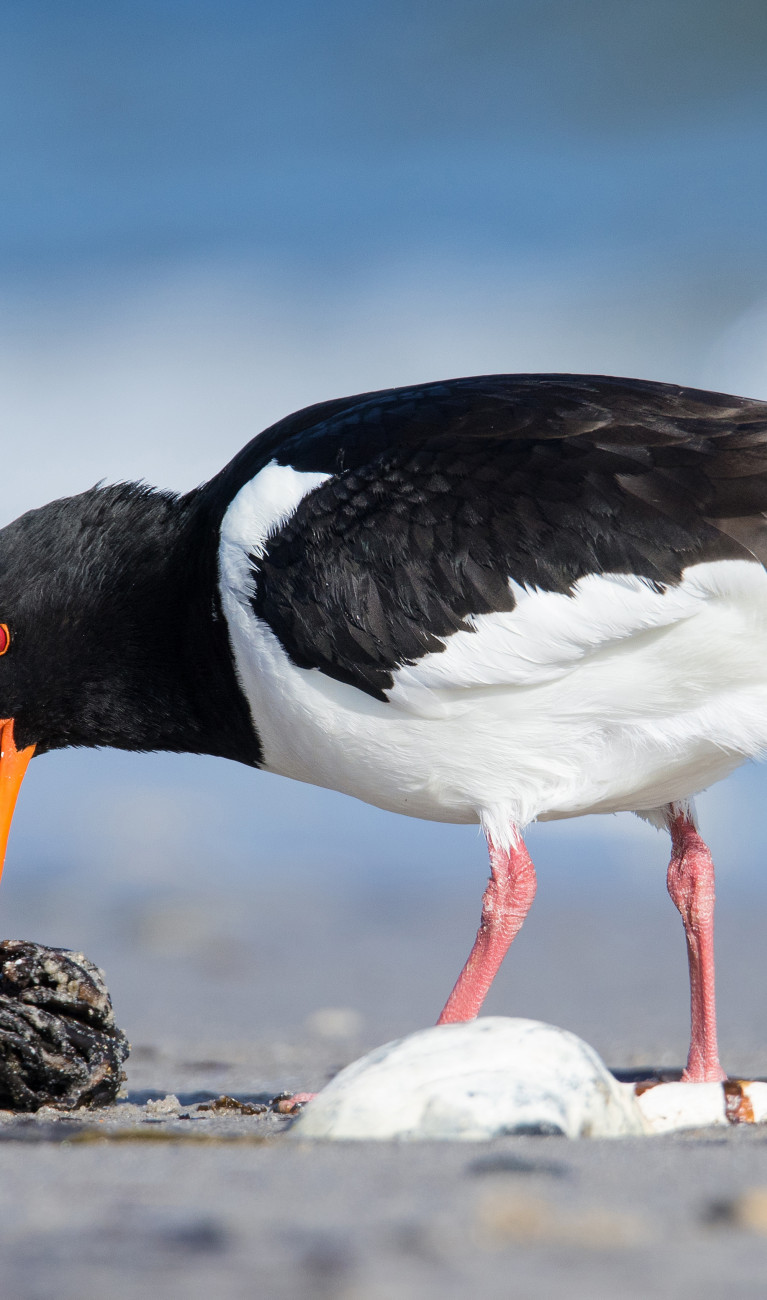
156, 1198
131, 1205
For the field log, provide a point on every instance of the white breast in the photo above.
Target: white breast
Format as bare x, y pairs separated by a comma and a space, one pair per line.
615, 697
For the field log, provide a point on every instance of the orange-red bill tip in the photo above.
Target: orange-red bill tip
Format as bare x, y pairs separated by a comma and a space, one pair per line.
13, 765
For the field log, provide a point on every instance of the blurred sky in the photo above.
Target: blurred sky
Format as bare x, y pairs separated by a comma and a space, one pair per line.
214, 213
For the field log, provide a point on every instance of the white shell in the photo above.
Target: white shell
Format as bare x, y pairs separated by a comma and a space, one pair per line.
668, 1107
672, 1106
757, 1095
466, 1082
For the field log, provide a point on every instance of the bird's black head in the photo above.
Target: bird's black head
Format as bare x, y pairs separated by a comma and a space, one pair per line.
111, 631
71, 601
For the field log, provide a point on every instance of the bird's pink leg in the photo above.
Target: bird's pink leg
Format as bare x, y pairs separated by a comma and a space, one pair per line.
691, 886
506, 902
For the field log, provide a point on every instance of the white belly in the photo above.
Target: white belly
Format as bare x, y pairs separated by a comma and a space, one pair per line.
615, 698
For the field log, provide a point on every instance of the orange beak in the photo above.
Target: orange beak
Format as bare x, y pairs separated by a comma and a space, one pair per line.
13, 765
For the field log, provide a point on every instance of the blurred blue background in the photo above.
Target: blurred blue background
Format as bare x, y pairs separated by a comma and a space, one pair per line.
214, 213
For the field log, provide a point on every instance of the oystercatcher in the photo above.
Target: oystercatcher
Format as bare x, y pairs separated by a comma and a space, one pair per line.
493, 600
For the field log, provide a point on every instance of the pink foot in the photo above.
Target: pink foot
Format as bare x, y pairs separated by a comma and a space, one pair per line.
691, 886
506, 902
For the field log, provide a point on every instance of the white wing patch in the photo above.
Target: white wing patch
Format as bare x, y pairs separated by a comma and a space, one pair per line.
264, 504
548, 636
258, 511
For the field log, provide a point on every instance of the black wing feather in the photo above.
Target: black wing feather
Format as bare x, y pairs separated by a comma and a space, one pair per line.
441, 493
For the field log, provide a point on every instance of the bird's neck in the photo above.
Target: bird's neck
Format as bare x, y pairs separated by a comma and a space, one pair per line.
193, 674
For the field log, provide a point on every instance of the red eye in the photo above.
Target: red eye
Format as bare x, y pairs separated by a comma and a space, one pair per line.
5, 638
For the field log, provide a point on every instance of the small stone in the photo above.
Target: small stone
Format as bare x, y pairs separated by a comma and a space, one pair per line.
227, 1105
503, 1218
749, 1211
335, 1023
169, 1105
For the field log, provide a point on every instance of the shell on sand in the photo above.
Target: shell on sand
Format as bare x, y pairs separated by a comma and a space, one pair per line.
473, 1081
